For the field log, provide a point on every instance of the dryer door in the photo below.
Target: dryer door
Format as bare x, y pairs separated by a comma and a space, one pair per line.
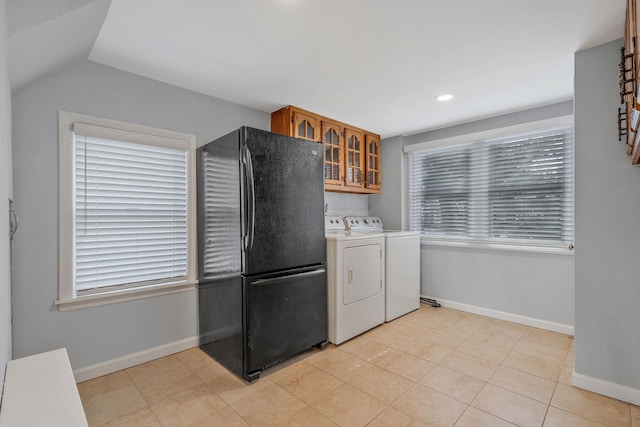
362, 274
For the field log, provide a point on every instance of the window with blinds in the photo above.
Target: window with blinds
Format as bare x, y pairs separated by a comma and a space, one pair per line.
130, 210
513, 190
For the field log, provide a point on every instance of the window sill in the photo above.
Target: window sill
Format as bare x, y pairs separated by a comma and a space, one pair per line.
113, 297
424, 241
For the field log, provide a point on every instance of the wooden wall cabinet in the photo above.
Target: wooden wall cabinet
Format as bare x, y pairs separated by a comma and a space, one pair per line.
351, 155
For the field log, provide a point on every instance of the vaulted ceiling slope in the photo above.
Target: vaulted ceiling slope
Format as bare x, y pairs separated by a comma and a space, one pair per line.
46, 35
377, 64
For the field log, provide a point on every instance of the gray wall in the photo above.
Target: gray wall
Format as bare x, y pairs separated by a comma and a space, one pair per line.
343, 204
98, 334
536, 285
607, 227
388, 204
5, 193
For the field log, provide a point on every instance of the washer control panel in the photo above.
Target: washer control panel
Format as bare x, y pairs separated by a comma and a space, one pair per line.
363, 223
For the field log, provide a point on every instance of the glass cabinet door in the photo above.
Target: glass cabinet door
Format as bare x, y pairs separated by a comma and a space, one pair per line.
354, 165
373, 162
306, 126
332, 138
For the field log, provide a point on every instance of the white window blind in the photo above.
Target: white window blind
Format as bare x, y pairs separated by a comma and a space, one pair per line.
439, 192
512, 190
130, 212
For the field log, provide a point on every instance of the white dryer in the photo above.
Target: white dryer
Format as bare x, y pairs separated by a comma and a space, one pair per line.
402, 264
355, 274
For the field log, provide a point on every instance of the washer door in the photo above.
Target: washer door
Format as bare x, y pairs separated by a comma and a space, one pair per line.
362, 274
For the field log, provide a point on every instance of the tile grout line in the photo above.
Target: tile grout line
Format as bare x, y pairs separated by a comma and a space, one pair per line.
227, 405
414, 382
551, 400
141, 395
188, 366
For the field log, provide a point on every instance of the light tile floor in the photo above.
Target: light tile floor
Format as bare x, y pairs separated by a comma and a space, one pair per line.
433, 367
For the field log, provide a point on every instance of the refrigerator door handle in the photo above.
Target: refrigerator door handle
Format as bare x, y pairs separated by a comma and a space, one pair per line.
251, 201
274, 280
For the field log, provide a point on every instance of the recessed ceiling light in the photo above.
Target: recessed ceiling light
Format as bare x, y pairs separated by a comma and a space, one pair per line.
444, 97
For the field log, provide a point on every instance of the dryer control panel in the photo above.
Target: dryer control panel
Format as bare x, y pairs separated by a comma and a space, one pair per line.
333, 224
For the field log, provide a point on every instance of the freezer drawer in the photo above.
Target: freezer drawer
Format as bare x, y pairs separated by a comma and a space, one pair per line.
286, 314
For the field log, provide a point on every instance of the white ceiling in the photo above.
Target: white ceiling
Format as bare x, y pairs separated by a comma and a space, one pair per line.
377, 64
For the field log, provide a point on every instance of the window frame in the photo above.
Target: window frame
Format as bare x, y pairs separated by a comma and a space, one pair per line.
508, 132
68, 299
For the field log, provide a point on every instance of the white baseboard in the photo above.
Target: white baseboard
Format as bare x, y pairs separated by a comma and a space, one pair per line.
113, 365
616, 391
510, 317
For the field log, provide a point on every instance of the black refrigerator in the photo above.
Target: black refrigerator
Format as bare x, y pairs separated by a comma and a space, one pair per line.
262, 293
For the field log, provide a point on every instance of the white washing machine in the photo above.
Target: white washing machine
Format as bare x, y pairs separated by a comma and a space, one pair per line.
402, 264
355, 275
